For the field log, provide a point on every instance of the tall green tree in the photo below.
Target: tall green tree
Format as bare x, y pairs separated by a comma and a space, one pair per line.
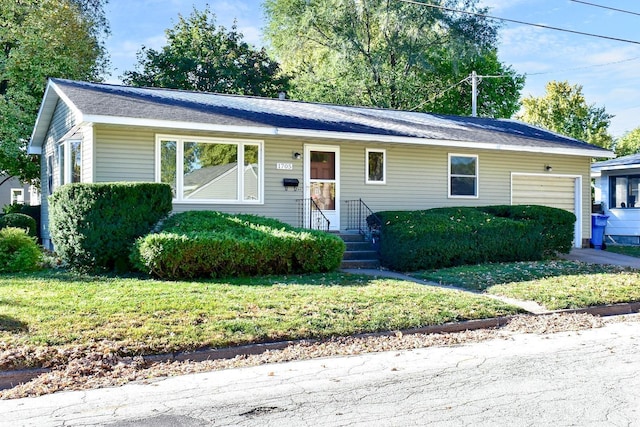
390, 54
201, 56
563, 109
628, 144
41, 39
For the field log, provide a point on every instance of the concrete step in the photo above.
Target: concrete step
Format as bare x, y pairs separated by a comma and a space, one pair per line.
359, 252
358, 246
351, 237
364, 264
362, 255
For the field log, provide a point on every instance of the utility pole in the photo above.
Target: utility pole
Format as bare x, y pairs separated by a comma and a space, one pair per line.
474, 94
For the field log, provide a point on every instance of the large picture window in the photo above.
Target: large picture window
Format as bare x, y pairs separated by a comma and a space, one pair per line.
624, 191
463, 175
210, 170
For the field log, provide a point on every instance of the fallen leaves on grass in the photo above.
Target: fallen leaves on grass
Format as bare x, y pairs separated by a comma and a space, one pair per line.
100, 365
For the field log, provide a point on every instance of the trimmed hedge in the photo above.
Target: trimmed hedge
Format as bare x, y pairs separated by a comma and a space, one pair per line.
19, 220
557, 224
212, 244
446, 237
18, 251
93, 226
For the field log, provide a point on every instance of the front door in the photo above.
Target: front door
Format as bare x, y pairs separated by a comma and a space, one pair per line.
322, 179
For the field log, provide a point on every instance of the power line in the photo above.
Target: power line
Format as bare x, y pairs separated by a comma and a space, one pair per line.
607, 7
585, 67
482, 15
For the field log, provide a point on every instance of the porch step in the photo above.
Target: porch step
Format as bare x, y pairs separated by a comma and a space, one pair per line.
359, 252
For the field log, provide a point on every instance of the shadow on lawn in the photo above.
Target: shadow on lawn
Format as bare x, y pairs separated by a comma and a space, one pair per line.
10, 324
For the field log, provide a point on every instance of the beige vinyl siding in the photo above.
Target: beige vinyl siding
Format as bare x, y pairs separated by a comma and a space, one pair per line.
124, 154
62, 122
417, 176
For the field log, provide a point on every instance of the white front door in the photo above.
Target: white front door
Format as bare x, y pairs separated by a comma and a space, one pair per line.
322, 184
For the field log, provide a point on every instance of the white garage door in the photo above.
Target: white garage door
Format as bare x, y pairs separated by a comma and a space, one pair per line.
553, 191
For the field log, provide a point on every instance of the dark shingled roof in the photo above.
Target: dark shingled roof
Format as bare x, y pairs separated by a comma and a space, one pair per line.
94, 99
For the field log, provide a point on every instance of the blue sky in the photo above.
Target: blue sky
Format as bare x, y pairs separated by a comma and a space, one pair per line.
607, 70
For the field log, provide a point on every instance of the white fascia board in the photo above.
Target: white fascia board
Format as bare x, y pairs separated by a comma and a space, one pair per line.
45, 114
616, 167
35, 143
343, 136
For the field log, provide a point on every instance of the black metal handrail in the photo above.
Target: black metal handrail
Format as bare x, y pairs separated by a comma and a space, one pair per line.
361, 218
311, 216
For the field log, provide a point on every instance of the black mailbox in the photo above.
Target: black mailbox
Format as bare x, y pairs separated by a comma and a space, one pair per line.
290, 182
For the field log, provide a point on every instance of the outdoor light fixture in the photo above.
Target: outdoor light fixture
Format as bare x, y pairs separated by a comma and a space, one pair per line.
297, 155
548, 168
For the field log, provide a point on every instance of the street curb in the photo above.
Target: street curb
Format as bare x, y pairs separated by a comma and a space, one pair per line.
9, 379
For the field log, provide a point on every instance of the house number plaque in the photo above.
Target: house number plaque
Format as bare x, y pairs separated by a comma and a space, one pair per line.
284, 166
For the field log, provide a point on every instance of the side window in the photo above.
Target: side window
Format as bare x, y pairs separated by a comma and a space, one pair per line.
70, 162
376, 166
463, 175
624, 191
17, 195
50, 174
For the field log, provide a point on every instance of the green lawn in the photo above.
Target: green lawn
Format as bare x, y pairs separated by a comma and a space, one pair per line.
625, 250
58, 309
554, 284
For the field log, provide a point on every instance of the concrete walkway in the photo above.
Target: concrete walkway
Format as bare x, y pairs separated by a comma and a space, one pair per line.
529, 306
593, 256
590, 256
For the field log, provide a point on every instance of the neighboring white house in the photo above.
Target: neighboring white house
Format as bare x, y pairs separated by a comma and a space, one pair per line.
13, 191
617, 189
291, 151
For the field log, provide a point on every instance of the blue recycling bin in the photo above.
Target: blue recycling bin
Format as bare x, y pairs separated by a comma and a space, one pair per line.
598, 223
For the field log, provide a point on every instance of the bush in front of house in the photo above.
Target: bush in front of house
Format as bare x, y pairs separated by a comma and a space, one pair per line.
557, 224
213, 244
19, 220
93, 226
446, 237
18, 251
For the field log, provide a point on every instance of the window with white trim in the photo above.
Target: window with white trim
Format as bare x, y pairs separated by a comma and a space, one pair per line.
463, 175
211, 170
70, 161
17, 195
376, 166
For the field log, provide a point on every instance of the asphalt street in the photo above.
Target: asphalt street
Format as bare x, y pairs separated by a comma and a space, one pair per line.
586, 378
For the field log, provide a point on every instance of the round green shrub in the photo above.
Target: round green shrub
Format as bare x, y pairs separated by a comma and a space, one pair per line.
19, 220
18, 251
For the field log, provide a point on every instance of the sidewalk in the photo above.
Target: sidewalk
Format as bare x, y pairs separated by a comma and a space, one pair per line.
593, 256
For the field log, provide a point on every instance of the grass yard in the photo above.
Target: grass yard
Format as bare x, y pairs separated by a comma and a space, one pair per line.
58, 309
554, 284
625, 250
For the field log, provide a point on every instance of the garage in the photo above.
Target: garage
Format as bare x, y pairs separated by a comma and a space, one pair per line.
556, 191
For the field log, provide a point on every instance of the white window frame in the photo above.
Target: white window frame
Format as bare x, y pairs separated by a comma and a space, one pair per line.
384, 166
65, 167
476, 176
241, 143
14, 191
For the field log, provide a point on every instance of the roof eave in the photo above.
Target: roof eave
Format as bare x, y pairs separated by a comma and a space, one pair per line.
350, 136
50, 99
